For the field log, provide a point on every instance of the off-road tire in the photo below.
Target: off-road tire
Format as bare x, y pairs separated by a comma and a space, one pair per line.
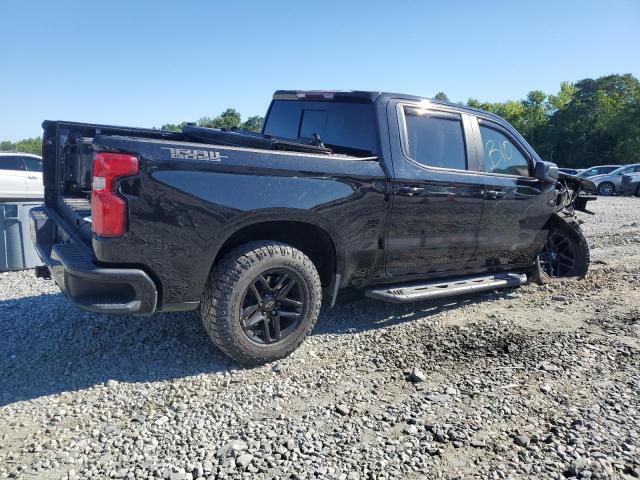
223, 293
570, 226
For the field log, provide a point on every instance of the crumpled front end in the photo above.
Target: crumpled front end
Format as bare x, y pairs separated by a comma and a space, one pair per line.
572, 194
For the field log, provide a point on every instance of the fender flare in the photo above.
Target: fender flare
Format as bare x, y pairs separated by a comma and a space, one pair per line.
281, 215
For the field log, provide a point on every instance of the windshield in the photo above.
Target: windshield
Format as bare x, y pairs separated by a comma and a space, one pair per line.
346, 127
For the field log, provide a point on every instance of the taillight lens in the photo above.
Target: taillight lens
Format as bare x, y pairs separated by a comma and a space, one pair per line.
108, 210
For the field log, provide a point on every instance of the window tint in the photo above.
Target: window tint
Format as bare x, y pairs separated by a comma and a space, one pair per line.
347, 125
501, 155
11, 163
283, 119
313, 122
33, 164
435, 140
633, 169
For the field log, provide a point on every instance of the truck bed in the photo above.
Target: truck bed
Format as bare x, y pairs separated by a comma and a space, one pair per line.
69, 148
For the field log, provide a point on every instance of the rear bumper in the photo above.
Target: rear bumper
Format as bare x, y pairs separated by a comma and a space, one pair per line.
87, 285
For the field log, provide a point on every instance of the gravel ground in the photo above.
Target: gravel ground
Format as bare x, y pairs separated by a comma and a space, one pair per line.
537, 382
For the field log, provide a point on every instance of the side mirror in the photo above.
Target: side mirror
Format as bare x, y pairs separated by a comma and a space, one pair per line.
546, 171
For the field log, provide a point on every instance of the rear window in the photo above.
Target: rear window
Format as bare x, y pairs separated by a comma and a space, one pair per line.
347, 125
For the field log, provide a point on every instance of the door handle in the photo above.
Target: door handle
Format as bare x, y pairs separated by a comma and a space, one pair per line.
32, 178
495, 194
410, 191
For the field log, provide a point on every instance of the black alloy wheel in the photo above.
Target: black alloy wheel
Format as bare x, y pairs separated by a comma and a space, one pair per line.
261, 300
273, 305
559, 256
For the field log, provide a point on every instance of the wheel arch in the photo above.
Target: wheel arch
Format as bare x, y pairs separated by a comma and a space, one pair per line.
317, 241
572, 226
557, 219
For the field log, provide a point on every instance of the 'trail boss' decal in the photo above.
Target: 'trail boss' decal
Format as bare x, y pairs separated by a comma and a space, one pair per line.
191, 154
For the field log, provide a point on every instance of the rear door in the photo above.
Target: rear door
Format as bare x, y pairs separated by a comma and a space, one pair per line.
516, 205
436, 192
35, 188
12, 177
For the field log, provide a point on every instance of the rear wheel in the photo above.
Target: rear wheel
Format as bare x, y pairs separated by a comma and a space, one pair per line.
261, 301
565, 255
606, 189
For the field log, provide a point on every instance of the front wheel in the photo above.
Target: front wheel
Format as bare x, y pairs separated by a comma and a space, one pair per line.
606, 189
261, 301
565, 255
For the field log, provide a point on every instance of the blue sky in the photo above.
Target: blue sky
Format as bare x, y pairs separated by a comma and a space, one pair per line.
145, 63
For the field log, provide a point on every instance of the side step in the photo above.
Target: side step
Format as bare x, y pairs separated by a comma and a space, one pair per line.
412, 292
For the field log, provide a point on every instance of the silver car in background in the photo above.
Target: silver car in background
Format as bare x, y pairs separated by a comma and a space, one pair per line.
611, 183
598, 170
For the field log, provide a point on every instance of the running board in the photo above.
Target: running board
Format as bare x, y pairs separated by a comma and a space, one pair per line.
445, 288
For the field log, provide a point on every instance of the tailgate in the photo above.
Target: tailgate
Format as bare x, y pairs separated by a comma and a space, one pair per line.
68, 151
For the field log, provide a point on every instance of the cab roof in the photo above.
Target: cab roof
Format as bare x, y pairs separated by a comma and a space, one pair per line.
364, 96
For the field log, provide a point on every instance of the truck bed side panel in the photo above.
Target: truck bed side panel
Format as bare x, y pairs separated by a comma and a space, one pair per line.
182, 209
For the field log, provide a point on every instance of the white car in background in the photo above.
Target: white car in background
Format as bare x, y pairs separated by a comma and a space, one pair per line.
20, 177
611, 183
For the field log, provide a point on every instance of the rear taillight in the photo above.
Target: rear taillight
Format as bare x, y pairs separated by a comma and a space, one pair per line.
108, 209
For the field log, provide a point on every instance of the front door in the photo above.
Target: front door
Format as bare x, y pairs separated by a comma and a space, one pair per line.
436, 201
516, 205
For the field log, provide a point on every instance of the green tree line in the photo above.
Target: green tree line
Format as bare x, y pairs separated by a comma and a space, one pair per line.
229, 119
589, 122
28, 145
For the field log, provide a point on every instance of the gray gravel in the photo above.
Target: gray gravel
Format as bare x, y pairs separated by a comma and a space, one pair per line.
538, 382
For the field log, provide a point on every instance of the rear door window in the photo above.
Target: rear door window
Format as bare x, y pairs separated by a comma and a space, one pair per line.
435, 139
501, 155
33, 164
11, 162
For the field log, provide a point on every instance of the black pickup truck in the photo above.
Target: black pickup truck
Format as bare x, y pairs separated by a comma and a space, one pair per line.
400, 196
